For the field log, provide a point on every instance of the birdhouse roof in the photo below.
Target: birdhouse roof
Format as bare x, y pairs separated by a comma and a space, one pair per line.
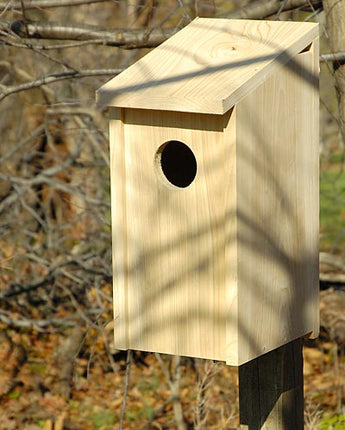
208, 66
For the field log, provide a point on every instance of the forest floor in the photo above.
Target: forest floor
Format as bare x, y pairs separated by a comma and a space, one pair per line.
30, 375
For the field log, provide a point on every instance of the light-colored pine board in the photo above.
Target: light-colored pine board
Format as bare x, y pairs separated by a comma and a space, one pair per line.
231, 256
208, 66
119, 230
226, 268
176, 237
277, 189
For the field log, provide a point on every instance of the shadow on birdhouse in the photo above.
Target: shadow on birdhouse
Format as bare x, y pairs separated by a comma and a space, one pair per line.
214, 178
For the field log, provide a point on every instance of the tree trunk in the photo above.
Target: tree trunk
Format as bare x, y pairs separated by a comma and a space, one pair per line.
335, 24
66, 356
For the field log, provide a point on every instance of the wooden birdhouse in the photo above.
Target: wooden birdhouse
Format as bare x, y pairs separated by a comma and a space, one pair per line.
214, 179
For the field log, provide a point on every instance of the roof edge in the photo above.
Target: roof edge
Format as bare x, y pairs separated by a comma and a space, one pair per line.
109, 95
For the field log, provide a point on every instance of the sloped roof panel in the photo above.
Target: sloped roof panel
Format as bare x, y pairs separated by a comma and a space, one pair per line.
207, 66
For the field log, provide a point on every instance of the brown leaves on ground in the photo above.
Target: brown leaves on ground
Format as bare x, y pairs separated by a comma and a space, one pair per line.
75, 381
12, 356
33, 402
30, 378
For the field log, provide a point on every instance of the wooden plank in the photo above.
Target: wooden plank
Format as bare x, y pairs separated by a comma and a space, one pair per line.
231, 255
271, 390
119, 231
176, 237
188, 72
227, 267
277, 181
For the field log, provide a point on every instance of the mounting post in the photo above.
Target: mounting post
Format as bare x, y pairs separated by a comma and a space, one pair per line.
271, 390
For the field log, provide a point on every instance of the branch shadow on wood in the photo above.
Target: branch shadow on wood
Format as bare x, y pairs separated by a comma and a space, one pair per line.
277, 250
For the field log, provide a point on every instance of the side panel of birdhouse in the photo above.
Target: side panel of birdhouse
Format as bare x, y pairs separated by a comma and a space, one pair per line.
119, 230
170, 238
277, 189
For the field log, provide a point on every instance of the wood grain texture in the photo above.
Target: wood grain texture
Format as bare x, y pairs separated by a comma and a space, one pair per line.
119, 229
208, 66
227, 267
271, 390
182, 246
175, 237
277, 189
231, 250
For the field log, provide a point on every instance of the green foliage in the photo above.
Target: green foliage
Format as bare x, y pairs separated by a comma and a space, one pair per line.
146, 384
15, 394
148, 411
74, 405
139, 412
133, 414
332, 212
104, 420
336, 157
332, 422
37, 368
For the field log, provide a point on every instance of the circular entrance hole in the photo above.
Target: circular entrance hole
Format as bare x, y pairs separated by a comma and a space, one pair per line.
177, 163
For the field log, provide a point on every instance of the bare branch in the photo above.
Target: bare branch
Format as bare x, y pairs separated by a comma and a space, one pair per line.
50, 47
78, 307
157, 413
54, 271
22, 8
184, 9
30, 210
125, 38
125, 394
42, 281
38, 132
39, 325
262, 8
6, 91
20, 289
206, 372
136, 38
45, 4
174, 379
80, 122
6, 6
41, 179
336, 56
22, 76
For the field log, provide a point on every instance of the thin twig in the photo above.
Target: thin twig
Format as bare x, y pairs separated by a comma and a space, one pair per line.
259, 9
23, 10
174, 380
281, 9
205, 379
47, 4
126, 388
6, 6
26, 207
336, 56
38, 132
39, 325
79, 121
38, 46
49, 79
184, 9
158, 412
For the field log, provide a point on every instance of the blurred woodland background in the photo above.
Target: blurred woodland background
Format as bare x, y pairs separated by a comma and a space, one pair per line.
58, 368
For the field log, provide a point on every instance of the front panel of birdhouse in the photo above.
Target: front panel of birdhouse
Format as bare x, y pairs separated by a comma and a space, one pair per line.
173, 189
